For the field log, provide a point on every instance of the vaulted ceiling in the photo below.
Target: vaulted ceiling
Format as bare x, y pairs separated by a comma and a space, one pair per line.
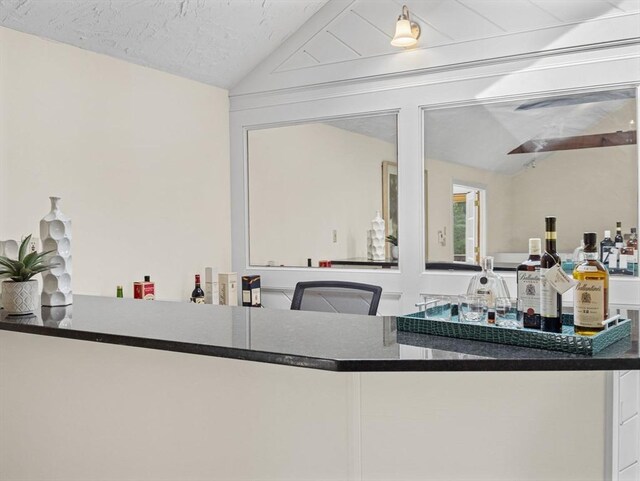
213, 41
220, 42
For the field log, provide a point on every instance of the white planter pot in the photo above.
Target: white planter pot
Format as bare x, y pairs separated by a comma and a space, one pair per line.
394, 252
20, 298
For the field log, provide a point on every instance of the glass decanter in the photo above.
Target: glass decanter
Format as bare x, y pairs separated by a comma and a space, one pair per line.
488, 284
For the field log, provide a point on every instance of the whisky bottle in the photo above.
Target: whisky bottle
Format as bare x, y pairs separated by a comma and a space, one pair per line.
528, 278
591, 299
619, 240
605, 247
550, 299
197, 296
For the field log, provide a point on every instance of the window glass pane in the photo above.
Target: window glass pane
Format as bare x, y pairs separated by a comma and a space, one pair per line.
496, 170
314, 189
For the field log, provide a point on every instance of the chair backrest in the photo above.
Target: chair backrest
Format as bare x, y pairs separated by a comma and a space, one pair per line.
336, 296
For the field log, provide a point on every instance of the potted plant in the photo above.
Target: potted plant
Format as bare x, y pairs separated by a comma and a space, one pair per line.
393, 240
19, 292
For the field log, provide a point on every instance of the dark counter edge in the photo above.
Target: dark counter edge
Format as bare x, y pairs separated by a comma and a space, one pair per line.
366, 365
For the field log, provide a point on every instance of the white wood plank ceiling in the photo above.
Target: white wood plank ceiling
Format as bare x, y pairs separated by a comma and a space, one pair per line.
366, 27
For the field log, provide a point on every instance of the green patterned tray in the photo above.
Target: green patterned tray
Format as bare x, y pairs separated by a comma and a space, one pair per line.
428, 322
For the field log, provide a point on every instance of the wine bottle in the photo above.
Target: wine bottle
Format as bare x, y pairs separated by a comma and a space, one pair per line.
197, 296
619, 240
605, 247
591, 299
550, 299
528, 279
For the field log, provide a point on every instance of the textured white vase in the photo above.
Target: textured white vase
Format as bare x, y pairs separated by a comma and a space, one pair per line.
8, 248
377, 238
55, 233
369, 251
59, 316
19, 298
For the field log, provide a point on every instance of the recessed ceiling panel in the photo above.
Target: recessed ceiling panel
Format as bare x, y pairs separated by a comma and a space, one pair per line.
572, 11
363, 36
454, 19
513, 15
326, 47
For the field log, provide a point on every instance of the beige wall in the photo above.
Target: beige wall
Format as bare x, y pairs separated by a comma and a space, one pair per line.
139, 157
441, 177
517, 204
589, 190
304, 182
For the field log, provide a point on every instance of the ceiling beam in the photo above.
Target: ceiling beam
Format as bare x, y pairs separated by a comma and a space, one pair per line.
611, 139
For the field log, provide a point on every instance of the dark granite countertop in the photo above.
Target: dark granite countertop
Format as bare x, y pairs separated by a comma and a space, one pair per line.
334, 342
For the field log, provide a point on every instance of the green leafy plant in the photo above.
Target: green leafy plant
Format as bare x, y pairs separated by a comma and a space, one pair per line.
27, 265
392, 239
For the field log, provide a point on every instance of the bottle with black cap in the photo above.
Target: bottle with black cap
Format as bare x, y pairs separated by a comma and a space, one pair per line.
550, 299
591, 299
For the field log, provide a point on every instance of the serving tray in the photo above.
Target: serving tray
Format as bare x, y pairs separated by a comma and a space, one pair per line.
430, 321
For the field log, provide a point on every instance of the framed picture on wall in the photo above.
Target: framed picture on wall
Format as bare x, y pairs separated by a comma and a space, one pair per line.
390, 199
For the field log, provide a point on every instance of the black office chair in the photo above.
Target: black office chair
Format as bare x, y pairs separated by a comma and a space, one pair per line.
336, 296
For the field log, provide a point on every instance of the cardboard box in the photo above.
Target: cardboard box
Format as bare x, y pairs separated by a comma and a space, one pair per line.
228, 285
211, 290
251, 291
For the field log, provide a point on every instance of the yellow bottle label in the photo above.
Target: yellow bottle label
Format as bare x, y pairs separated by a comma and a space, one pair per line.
589, 303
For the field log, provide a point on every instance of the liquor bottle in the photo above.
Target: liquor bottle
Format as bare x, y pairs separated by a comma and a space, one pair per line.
591, 299
605, 247
550, 299
488, 284
119, 293
197, 296
632, 246
528, 278
619, 240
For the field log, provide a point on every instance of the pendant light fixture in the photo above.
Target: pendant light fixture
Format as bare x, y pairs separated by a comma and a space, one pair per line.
407, 32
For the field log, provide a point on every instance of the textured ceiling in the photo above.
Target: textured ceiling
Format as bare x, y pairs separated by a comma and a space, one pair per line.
217, 42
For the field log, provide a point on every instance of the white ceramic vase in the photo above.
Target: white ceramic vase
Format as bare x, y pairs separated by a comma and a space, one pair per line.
377, 238
55, 233
20, 298
8, 248
394, 252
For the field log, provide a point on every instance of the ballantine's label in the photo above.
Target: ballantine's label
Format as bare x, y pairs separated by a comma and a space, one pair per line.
589, 305
548, 297
529, 291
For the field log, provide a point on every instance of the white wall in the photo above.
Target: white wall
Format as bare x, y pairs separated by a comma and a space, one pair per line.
139, 157
304, 182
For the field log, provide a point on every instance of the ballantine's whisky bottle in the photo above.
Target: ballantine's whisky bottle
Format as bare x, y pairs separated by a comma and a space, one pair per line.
528, 278
591, 299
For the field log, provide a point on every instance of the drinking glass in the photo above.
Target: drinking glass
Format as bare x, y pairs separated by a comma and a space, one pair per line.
509, 312
472, 309
445, 305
